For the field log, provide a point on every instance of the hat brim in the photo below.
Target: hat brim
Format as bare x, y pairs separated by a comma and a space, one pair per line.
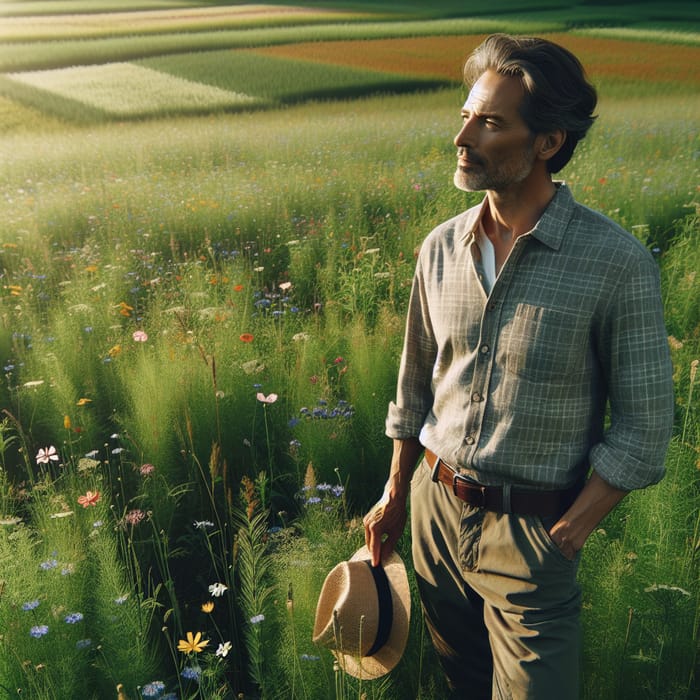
371, 667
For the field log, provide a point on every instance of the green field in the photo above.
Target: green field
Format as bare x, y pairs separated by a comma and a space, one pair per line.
207, 242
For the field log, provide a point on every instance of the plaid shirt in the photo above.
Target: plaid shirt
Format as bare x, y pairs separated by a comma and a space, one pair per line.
512, 385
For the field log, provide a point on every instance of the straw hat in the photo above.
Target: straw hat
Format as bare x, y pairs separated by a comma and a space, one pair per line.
363, 614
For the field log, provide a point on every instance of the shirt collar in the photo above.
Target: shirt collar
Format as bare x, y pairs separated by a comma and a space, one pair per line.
550, 229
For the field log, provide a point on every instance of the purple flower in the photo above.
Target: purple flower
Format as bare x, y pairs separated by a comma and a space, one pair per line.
73, 618
30, 605
154, 689
48, 564
191, 673
39, 631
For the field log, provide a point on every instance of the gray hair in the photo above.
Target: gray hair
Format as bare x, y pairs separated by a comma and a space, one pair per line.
557, 94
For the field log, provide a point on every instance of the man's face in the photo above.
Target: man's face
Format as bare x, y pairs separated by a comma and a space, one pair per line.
494, 146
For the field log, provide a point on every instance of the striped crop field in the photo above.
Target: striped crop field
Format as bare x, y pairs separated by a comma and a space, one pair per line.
90, 25
443, 56
125, 89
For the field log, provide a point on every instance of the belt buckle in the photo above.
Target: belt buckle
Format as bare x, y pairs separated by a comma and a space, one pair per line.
474, 489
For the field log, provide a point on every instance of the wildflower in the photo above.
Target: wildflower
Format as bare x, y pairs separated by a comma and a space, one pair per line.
270, 398
285, 286
67, 570
309, 657
30, 605
39, 631
97, 524
246, 337
90, 498
48, 564
203, 524
114, 351
66, 422
238, 288
208, 606
121, 599
83, 401
193, 644
46, 455
73, 618
154, 689
191, 673
257, 619
124, 308
301, 336
223, 649
338, 360
83, 644
314, 500
217, 589
33, 383
139, 336
134, 517
146, 469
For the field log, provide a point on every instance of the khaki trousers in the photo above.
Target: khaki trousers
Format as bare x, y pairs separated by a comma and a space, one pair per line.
500, 600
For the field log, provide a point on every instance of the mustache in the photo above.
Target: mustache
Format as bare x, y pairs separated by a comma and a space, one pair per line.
464, 152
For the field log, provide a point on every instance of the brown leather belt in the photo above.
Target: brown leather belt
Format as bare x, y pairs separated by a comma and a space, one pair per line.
502, 499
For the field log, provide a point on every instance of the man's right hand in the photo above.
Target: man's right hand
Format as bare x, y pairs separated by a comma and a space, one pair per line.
385, 522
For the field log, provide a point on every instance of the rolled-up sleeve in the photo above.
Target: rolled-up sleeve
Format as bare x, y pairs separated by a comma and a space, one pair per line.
633, 349
414, 396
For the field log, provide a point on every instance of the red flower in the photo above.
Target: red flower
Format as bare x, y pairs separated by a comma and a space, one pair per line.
89, 499
246, 337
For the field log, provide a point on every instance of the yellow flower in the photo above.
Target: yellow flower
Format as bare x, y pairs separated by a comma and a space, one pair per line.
83, 402
193, 643
66, 422
208, 606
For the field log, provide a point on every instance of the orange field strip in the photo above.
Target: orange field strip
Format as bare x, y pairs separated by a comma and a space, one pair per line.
443, 56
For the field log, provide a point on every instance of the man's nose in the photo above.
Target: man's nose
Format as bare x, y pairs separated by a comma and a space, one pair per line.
465, 136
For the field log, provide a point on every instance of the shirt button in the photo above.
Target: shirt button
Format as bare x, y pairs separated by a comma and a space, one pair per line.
484, 349
491, 306
469, 440
476, 397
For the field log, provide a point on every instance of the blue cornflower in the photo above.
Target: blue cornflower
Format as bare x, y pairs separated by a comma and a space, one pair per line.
30, 605
338, 491
48, 564
39, 631
154, 689
191, 673
73, 618
257, 619
313, 501
83, 644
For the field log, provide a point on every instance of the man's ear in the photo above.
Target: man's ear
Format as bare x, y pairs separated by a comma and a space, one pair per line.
549, 144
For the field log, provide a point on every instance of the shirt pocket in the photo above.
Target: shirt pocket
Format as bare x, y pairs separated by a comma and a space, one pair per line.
545, 344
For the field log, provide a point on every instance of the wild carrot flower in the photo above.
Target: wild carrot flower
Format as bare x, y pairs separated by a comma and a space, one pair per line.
90, 498
223, 649
217, 589
46, 455
39, 631
193, 644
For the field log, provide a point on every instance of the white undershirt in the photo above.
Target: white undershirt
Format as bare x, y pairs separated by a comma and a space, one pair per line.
488, 256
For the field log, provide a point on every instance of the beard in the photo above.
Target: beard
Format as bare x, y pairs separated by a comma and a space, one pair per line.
482, 175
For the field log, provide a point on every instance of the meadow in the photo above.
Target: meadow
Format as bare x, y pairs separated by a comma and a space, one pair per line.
207, 243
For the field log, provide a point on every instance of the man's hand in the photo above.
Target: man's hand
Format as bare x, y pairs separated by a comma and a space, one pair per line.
594, 502
385, 522
384, 525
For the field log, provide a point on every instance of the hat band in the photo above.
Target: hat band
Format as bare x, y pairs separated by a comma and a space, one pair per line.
386, 609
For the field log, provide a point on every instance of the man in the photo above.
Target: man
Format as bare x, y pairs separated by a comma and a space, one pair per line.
529, 315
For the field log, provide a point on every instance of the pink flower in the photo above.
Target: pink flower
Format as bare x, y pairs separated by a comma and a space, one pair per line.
270, 398
134, 517
46, 455
140, 336
91, 498
146, 469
